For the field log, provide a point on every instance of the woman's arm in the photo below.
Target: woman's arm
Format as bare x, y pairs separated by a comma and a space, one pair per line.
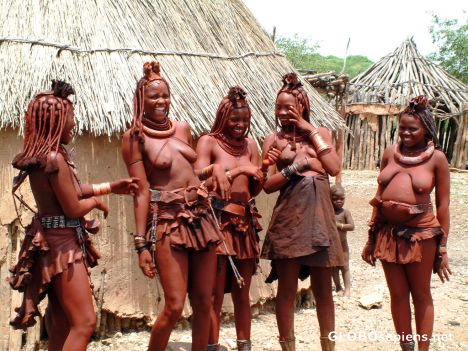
270, 154
217, 180
64, 189
133, 159
124, 186
330, 160
442, 193
255, 183
204, 149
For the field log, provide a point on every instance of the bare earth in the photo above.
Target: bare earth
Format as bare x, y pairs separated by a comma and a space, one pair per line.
357, 328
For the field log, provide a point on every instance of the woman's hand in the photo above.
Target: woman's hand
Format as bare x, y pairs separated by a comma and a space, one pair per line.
310, 164
368, 253
125, 186
444, 269
220, 182
297, 120
101, 206
252, 171
270, 158
146, 264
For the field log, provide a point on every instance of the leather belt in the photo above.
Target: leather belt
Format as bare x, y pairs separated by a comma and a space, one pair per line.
53, 222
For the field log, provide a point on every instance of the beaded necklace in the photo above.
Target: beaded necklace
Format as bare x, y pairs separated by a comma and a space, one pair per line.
233, 147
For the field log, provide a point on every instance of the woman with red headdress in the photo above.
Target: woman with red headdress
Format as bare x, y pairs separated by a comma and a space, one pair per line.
175, 230
228, 146
56, 252
302, 239
404, 233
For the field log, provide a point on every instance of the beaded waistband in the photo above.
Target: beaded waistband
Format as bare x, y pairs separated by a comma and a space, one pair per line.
53, 222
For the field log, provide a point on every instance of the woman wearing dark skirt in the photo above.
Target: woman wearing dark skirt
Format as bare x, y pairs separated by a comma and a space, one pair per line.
302, 239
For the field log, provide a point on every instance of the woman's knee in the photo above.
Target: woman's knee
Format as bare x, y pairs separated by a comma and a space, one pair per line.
173, 309
86, 325
422, 298
200, 303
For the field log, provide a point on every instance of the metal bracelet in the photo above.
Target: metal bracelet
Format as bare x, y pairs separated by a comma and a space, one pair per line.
288, 171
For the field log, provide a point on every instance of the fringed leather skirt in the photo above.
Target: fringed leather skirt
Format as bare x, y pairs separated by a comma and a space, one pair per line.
401, 243
240, 226
50, 246
182, 216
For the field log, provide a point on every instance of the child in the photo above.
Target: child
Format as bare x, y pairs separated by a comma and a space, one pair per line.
344, 223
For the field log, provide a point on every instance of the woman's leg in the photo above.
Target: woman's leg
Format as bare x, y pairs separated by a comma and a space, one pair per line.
218, 297
419, 279
288, 273
241, 298
397, 283
202, 280
172, 265
56, 322
73, 294
322, 288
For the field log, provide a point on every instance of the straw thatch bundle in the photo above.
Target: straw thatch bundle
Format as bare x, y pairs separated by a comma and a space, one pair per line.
403, 74
99, 46
379, 94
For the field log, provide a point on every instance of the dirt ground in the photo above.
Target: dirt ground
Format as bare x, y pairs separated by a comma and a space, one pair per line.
357, 328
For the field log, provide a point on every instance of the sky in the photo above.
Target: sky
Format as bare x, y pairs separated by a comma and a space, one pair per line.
376, 27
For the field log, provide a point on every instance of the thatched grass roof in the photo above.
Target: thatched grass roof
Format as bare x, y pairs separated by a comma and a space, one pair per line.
403, 74
99, 46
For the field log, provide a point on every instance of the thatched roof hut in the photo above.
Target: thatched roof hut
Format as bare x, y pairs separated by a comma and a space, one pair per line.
99, 46
377, 95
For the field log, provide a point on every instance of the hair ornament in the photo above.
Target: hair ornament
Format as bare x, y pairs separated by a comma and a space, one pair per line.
152, 71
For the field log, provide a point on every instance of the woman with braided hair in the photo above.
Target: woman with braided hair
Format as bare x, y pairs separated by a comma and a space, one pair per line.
56, 251
404, 233
228, 146
302, 239
175, 230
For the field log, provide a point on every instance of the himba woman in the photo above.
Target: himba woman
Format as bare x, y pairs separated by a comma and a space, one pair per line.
175, 230
404, 233
302, 239
56, 252
228, 146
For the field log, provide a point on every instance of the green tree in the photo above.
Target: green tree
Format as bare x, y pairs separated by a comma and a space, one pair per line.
304, 56
451, 39
298, 50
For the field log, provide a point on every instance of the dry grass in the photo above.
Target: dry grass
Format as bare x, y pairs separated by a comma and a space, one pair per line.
99, 46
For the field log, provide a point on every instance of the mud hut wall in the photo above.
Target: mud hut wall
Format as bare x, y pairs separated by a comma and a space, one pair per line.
126, 292
366, 138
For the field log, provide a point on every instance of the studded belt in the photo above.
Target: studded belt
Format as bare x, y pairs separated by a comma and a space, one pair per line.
53, 222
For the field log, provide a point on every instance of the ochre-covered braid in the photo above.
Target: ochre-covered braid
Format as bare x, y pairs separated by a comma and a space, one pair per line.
45, 119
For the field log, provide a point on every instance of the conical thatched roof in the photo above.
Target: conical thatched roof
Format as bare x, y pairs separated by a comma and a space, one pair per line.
99, 46
403, 74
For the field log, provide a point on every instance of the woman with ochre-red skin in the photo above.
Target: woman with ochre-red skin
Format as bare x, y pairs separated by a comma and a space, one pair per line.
404, 233
56, 252
302, 240
176, 234
229, 146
